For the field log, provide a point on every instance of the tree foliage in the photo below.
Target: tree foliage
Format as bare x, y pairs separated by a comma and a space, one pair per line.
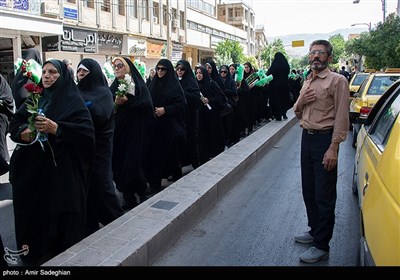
338, 44
299, 63
267, 54
381, 46
229, 52
252, 60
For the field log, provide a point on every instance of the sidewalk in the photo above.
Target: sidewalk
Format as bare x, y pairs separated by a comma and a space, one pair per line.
142, 234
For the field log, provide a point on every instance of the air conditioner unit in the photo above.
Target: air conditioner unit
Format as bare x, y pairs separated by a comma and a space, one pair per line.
174, 23
50, 9
155, 20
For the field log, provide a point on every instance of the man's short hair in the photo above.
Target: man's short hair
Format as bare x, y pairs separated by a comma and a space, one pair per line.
327, 44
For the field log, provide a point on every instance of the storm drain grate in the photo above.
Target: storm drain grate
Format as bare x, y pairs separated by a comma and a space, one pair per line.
164, 205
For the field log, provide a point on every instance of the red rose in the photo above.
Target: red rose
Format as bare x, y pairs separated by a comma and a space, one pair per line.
33, 88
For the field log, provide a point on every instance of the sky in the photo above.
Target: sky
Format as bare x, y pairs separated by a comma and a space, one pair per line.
285, 17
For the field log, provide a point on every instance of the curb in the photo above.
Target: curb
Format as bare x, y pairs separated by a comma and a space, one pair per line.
141, 235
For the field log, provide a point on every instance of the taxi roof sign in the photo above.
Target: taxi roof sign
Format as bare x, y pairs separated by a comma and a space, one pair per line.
298, 43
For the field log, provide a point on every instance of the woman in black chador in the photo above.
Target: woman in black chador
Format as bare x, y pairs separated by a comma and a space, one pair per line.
192, 93
6, 112
279, 86
233, 98
211, 130
103, 204
19, 92
134, 120
169, 136
50, 178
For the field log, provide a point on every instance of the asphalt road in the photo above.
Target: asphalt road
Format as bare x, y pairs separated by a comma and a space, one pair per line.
254, 224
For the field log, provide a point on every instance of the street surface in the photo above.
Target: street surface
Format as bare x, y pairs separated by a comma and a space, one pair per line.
254, 224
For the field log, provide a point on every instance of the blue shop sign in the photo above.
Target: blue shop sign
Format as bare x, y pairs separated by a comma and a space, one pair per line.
70, 13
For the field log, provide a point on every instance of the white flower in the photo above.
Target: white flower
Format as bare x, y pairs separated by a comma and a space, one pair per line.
125, 86
122, 87
128, 78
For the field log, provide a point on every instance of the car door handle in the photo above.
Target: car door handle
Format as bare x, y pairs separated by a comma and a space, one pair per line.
366, 183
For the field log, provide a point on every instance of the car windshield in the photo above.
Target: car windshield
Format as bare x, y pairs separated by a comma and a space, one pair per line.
358, 79
380, 84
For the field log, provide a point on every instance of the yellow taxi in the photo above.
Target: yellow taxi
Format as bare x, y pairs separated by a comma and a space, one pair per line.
356, 82
371, 89
376, 180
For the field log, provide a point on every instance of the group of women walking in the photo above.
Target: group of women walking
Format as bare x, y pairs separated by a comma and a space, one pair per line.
129, 136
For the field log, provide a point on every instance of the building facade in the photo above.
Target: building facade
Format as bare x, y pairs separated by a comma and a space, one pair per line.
145, 30
240, 15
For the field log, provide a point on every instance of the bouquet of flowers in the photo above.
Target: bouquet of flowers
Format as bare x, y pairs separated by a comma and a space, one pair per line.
32, 105
126, 86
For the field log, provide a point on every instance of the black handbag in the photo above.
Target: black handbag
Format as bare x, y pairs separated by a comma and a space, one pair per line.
226, 109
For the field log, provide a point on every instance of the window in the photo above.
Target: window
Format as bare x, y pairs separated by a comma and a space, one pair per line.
382, 126
132, 8
145, 9
155, 10
380, 84
182, 20
89, 3
121, 7
105, 5
238, 12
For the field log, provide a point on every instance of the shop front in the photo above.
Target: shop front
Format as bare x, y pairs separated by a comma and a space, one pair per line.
74, 44
22, 27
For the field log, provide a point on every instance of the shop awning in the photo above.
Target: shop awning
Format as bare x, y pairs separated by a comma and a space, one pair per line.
12, 24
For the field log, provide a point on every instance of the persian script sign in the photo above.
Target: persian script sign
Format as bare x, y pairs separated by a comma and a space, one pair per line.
79, 40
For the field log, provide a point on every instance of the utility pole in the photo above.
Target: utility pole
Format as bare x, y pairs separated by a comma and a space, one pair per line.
398, 8
384, 10
168, 20
383, 7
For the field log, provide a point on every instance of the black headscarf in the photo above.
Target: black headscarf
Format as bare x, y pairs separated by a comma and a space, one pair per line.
210, 89
247, 74
165, 87
279, 67
20, 94
95, 92
189, 85
214, 74
230, 85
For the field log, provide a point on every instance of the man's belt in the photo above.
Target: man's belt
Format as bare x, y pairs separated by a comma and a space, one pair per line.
316, 131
